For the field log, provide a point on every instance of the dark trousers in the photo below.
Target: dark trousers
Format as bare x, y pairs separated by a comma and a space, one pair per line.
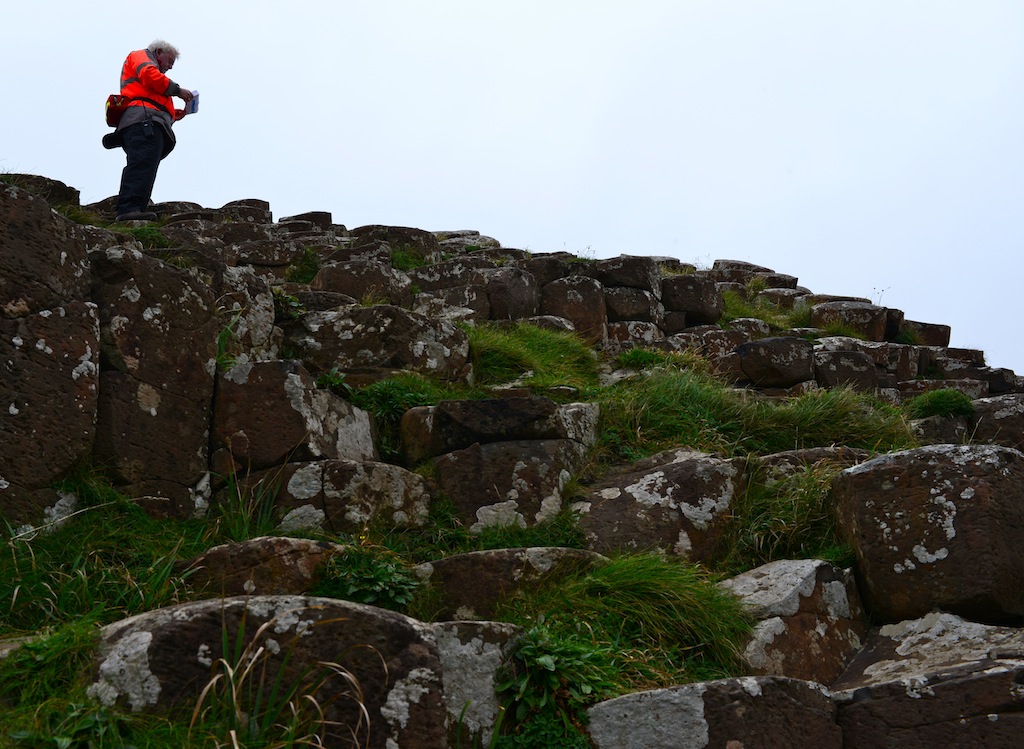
144, 144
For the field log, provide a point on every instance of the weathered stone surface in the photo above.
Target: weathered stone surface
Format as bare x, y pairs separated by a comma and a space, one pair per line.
777, 361
624, 303
937, 527
513, 293
472, 586
943, 430
248, 210
623, 335
271, 412
811, 622
53, 191
935, 681
579, 299
550, 266
630, 270
767, 712
420, 243
345, 496
161, 660
973, 389
248, 301
43, 256
158, 331
696, 295
928, 334
429, 431
365, 279
265, 566
867, 319
382, 336
472, 654
508, 483
680, 507
451, 273
49, 383
854, 369
778, 466
999, 420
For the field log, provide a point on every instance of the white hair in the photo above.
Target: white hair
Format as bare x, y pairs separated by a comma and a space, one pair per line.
159, 44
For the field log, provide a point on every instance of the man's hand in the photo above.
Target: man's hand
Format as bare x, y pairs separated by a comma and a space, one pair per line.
185, 94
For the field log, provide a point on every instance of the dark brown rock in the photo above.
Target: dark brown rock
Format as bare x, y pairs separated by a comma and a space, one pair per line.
43, 256
777, 361
49, 380
579, 299
696, 295
767, 712
472, 586
866, 319
161, 660
935, 681
513, 294
999, 420
429, 431
927, 334
811, 621
508, 483
680, 507
937, 527
262, 566
853, 369
345, 496
382, 337
630, 270
365, 280
270, 412
624, 303
448, 274
158, 333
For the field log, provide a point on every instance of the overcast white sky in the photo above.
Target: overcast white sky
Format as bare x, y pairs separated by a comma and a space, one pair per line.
870, 148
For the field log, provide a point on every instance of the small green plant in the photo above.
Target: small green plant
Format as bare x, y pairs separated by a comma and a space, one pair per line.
286, 306
227, 342
368, 574
305, 267
387, 400
944, 402
407, 257
247, 508
334, 381
552, 677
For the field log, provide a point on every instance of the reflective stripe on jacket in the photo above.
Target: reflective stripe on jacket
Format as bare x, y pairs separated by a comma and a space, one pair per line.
144, 84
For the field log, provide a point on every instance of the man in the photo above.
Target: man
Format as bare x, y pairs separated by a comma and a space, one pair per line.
145, 127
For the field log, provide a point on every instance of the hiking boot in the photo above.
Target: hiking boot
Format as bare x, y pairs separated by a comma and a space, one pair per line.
136, 216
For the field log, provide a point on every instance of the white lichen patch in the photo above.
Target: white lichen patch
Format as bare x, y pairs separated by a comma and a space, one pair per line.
500, 513
406, 693
306, 517
125, 673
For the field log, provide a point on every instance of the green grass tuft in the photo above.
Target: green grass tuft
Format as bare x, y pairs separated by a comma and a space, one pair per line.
945, 402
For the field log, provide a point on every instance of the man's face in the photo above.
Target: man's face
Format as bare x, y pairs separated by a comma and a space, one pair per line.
164, 60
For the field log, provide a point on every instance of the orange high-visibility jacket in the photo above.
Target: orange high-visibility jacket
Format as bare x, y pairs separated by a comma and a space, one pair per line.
144, 84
